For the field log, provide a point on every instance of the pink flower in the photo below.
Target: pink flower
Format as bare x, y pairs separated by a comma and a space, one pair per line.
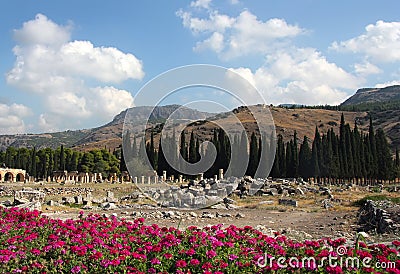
194, 262
232, 257
155, 261
206, 266
76, 269
35, 251
181, 264
190, 252
168, 255
211, 254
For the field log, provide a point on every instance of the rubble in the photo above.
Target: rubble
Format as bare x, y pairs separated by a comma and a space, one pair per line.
379, 216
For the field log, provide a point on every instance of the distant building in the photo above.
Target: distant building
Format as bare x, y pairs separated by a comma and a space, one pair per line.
12, 174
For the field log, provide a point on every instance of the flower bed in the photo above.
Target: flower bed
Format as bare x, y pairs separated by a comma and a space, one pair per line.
31, 243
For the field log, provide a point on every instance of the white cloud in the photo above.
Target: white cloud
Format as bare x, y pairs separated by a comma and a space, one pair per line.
380, 42
214, 23
366, 68
104, 64
48, 123
205, 4
245, 34
389, 83
11, 118
215, 42
290, 74
110, 100
301, 76
42, 31
57, 70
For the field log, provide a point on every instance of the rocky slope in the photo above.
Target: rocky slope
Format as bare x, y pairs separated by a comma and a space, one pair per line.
374, 95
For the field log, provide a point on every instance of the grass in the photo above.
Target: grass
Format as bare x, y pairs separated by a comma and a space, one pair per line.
383, 197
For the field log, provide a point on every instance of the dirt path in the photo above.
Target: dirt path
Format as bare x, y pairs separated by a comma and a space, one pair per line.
296, 224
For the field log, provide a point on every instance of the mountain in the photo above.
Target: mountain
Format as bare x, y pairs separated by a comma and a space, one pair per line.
286, 120
374, 95
106, 136
67, 138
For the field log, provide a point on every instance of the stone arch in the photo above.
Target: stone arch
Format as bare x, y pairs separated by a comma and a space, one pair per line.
19, 177
8, 177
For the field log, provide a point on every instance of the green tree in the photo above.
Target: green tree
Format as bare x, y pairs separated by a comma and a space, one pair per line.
384, 158
253, 156
305, 155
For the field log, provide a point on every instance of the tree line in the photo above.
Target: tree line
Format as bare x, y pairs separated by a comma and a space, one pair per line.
41, 163
189, 149
365, 106
350, 155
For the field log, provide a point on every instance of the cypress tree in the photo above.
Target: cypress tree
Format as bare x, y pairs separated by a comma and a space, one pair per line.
295, 153
315, 157
62, 158
275, 172
264, 157
74, 161
183, 150
305, 155
162, 162
173, 151
372, 145
384, 157
253, 156
357, 152
397, 163
342, 149
151, 151
350, 152
197, 150
282, 156
192, 149
33, 163
243, 154
289, 159
334, 143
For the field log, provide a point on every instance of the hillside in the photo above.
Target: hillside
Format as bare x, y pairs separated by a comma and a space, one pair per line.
374, 95
287, 120
53, 140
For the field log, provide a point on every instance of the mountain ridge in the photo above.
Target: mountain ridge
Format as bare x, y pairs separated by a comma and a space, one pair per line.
373, 95
286, 121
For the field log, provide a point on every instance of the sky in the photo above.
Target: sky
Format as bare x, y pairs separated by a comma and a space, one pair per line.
72, 64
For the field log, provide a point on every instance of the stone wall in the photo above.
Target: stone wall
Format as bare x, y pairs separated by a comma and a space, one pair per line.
379, 216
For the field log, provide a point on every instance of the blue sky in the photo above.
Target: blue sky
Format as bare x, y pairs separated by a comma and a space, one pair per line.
76, 64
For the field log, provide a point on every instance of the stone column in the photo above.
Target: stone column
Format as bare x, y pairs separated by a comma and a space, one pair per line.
155, 177
221, 174
180, 179
215, 177
164, 175
135, 180
142, 180
149, 180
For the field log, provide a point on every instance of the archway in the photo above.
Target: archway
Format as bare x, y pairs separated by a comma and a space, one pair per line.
20, 177
8, 177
